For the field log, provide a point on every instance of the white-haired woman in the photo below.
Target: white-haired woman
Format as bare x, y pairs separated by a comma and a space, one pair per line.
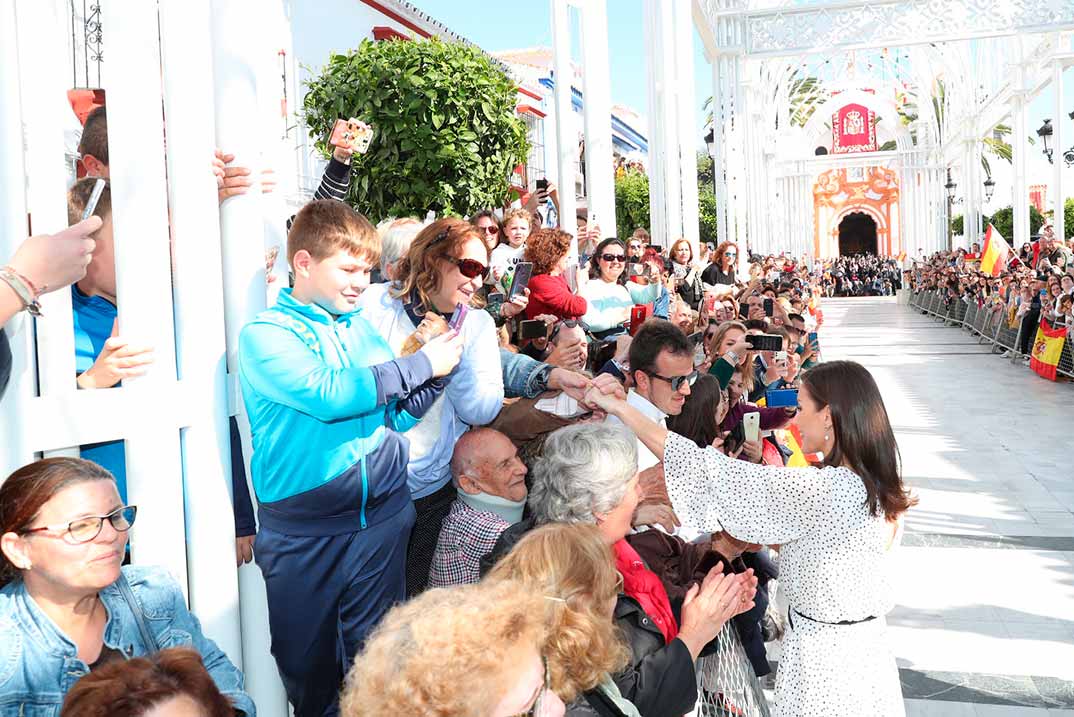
588, 474
396, 236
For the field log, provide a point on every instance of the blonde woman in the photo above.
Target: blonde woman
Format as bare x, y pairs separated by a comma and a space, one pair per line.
470, 651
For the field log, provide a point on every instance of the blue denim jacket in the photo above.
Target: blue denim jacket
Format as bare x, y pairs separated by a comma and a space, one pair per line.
520, 375
39, 664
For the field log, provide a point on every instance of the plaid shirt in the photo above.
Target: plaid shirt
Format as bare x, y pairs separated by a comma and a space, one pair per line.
466, 536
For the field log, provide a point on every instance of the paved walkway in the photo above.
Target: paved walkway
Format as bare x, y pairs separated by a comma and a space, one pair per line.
985, 616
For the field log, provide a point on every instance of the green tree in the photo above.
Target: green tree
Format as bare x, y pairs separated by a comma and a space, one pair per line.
1003, 221
631, 202
446, 136
706, 200
1068, 217
957, 225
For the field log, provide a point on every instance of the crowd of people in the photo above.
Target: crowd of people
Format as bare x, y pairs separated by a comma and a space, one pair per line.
1035, 285
861, 275
494, 476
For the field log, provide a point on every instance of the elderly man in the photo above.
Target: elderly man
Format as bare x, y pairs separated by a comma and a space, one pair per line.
491, 481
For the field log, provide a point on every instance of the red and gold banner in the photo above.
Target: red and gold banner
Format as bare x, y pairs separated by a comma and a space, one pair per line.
853, 130
1047, 348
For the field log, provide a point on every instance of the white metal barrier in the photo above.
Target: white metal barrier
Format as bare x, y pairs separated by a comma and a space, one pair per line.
178, 284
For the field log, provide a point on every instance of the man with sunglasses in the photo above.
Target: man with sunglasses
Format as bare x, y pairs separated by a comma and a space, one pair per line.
661, 369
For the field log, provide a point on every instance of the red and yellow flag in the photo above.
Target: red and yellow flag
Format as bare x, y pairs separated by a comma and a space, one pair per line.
996, 252
1047, 348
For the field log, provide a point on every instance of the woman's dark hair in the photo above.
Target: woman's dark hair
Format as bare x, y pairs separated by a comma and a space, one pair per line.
28, 489
594, 261
495, 220
130, 688
864, 441
697, 421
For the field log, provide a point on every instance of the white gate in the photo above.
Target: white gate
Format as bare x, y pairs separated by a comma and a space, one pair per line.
187, 70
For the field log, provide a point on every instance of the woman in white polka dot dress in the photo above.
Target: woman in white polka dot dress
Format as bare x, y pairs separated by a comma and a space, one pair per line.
835, 526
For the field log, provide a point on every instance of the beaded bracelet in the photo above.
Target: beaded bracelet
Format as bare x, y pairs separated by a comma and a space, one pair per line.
23, 288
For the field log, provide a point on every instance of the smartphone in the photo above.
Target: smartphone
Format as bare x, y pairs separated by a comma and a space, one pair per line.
744, 310
495, 297
95, 196
523, 272
764, 342
768, 307
636, 269
535, 329
710, 305
751, 426
638, 315
455, 324
782, 398
781, 357
352, 134
542, 185
698, 340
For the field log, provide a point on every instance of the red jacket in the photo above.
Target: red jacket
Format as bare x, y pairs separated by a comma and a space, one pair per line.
551, 295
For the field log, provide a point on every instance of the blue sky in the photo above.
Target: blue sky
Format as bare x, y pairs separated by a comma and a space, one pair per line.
528, 24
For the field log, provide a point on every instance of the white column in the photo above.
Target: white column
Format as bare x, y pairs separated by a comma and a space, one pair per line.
1020, 193
143, 275
44, 83
597, 109
719, 157
652, 38
686, 108
237, 55
186, 55
664, 131
15, 450
1060, 143
566, 131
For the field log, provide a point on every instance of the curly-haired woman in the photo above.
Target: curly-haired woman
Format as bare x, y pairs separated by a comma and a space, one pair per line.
469, 651
721, 271
550, 294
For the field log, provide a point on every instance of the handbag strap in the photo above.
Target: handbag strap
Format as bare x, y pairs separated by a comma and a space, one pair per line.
128, 595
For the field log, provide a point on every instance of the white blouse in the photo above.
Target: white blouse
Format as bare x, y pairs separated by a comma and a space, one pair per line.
833, 553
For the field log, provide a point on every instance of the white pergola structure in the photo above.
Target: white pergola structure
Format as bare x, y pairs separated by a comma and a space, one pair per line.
938, 77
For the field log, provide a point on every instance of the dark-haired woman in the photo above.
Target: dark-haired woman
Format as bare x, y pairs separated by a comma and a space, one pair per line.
66, 605
687, 274
609, 296
170, 683
835, 523
721, 272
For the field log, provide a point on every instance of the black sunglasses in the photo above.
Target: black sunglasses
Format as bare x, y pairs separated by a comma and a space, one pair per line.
676, 381
470, 268
613, 258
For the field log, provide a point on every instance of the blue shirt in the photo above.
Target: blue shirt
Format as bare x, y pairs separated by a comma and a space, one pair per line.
94, 318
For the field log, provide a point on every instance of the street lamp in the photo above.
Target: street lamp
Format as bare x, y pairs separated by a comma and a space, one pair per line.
1045, 134
710, 141
950, 187
990, 186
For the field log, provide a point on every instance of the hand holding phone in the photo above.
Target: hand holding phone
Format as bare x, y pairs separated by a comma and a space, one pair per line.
457, 318
352, 135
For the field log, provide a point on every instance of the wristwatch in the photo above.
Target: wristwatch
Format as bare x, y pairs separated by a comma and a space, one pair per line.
731, 357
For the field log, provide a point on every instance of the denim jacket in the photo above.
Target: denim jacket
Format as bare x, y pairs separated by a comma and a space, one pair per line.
39, 664
520, 375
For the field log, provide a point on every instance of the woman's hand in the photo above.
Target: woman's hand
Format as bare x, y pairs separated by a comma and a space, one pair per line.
656, 514
608, 403
515, 306
708, 606
444, 353
753, 450
53, 261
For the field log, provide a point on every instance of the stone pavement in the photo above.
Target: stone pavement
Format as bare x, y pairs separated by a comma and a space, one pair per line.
985, 619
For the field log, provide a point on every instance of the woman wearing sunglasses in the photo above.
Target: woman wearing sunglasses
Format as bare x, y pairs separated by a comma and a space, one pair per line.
608, 294
722, 271
443, 269
66, 605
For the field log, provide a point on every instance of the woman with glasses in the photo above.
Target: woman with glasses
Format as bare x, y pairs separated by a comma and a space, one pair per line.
609, 295
67, 606
588, 474
722, 271
489, 227
468, 651
444, 269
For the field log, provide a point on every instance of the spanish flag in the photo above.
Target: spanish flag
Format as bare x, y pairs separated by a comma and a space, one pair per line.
1047, 348
996, 252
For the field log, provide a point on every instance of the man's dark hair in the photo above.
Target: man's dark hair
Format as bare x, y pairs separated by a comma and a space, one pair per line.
95, 135
655, 336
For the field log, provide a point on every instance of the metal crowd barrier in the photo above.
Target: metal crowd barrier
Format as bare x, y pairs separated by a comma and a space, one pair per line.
727, 686
990, 325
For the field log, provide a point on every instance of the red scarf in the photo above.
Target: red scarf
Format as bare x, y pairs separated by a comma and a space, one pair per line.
644, 586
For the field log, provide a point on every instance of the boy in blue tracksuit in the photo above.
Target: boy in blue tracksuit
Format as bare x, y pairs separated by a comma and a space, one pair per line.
327, 402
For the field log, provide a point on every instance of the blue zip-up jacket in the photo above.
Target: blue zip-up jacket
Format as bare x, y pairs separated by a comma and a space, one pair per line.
326, 399
39, 663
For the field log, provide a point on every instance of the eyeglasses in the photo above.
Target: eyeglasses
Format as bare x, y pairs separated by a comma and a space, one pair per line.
535, 708
564, 324
676, 381
470, 268
491, 229
616, 258
730, 253
86, 529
